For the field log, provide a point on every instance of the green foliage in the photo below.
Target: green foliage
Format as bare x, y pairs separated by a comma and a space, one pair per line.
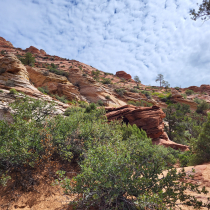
107, 97
54, 69
1, 91
28, 59
197, 100
95, 74
203, 11
140, 103
13, 91
201, 145
2, 52
100, 102
159, 78
126, 173
61, 98
43, 90
146, 93
177, 88
120, 91
183, 125
90, 108
83, 104
137, 80
202, 107
189, 92
106, 81
134, 90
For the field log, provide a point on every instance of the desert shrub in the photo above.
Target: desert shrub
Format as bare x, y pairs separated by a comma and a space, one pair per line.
43, 90
107, 97
197, 100
28, 59
106, 81
100, 102
189, 92
120, 91
1, 91
201, 145
84, 75
2, 52
13, 91
90, 108
177, 88
202, 107
46, 73
61, 98
54, 69
134, 90
127, 174
146, 93
83, 104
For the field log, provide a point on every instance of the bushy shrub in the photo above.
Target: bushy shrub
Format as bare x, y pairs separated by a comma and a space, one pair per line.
134, 90
177, 88
28, 59
202, 107
120, 91
197, 100
13, 91
126, 173
107, 97
189, 92
106, 81
43, 90
100, 102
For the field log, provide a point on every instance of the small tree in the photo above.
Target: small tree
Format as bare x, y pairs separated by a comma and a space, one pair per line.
28, 59
165, 84
203, 11
137, 80
160, 78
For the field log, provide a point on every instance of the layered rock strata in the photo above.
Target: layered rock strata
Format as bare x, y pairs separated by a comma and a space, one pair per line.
149, 119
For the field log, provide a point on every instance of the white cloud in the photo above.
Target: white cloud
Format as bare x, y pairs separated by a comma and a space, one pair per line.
143, 38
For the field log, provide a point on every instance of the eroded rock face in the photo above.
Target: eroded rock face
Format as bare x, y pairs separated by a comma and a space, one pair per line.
32, 49
56, 84
123, 75
149, 119
92, 90
4, 43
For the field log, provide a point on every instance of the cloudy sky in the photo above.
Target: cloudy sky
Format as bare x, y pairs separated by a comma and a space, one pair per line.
141, 37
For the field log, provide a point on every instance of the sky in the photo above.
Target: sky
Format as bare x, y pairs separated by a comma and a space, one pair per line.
141, 37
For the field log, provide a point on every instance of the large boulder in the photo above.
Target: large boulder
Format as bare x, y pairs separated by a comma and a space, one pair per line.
123, 75
149, 119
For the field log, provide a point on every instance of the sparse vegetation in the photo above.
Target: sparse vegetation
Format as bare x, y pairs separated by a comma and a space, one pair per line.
44, 90
120, 91
28, 59
189, 92
13, 91
54, 69
106, 81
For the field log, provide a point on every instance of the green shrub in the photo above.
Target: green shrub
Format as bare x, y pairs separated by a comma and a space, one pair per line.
13, 91
106, 81
134, 90
189, 92
107, 97
61, 98
120, 91
83, 104
43, 90
146, 93
127, 174
1, 91
100, 102
177, 88
202, 107
28, 59
197, 100
3, 52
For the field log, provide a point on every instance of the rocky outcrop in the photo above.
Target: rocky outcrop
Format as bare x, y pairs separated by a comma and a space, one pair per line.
42, 52
56, 84
202, 88
4, 43
32, 49
149, 119
123, 75
92, 90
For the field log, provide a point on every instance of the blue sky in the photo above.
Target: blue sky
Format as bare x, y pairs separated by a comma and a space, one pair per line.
141, 37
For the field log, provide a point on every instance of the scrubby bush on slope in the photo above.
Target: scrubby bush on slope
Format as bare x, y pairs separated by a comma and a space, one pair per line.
120, 168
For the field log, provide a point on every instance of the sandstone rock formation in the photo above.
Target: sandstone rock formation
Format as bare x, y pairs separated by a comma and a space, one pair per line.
92, 90
56, 84
123, 75
32, 49
42, 52
149, 119
4, 43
